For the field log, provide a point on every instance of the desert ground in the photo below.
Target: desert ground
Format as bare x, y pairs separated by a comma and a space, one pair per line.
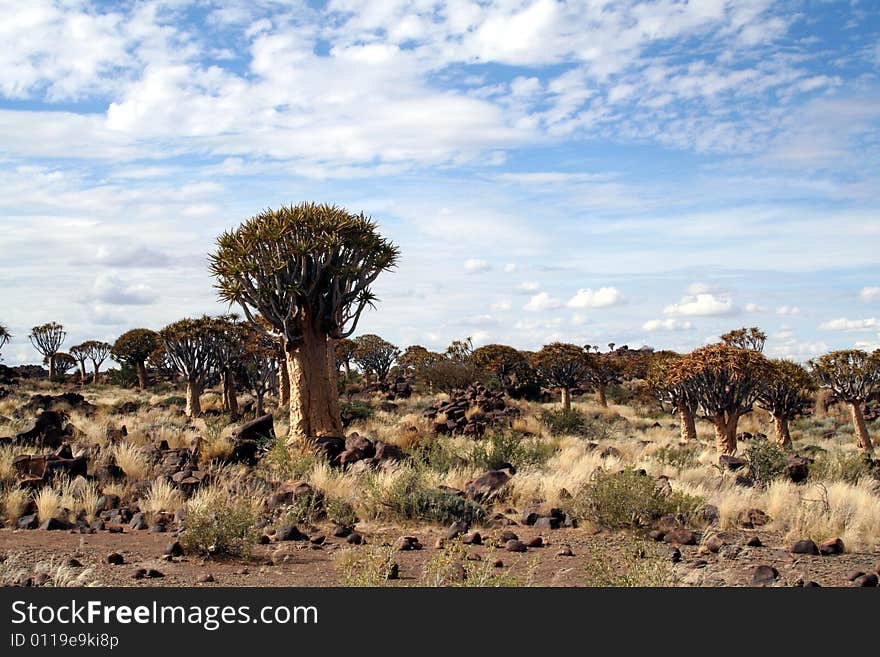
139, 494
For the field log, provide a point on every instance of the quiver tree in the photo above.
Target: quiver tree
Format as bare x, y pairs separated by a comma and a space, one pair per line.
307, 269
79, 354
675, 391
345, 349
230, 350
47, 339
375, 356
460, 350
786, 394
603, 370
133, 348
192, 346
853, 377
726, 382
5, 337
64, 362
505, 364
259, 364
562, 366
746, 338
414, 359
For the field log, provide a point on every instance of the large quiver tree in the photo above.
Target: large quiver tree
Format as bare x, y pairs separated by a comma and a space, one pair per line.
192, 346
726, 381
561, 366
853, 377
375, 356
308, 270
47, 339
787, 393
675, 390
133, 348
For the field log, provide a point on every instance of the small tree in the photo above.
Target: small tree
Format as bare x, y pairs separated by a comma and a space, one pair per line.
853, 377
259, 364
505, 364
603, 370
192, 346
345, 349
79, 354
746, 338
63, 364
460, 350
562, 366
787, 393
308, 269
375, 356
5, 337
414, 360
726, 381
133, 348
677, 392
230, 351
47, 339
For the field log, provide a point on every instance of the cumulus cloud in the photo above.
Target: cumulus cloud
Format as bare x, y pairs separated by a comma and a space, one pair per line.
788, 310
131, 257
669, 324
754, 308
528, 287
601, 298
501, 305
542, 302
476, 266
113, 291
701, 305
869, 294
844, 324
509, 268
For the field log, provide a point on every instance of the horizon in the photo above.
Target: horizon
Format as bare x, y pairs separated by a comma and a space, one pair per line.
649, 174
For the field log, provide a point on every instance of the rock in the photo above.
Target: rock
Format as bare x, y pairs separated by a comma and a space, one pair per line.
73, 562
675, 555
388, 452
206, 579
290, 533
55, 524
394, 571
535, 542
714, 544
547, 522
732, 463
115, 559
152, 573
514, 545
174, 549
808, 584
752, 518
709, 514
354, 539
341, 531
754, 541
157, 528
318, 540
656, 534
138, 521
107, 502
473, 538
140, 573
529, 518
507, 535
681, 537
831, 547
853, 576
245, 451
259, 430
488, 485
296, 492
329, 447
407, 543
805, 546
457, 529
866, 581
764, 574
565, 551
798, 468
48, 430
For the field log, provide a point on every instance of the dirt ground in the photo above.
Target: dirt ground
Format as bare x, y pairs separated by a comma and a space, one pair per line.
598, 558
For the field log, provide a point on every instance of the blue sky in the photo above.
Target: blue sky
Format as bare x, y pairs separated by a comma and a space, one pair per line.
630, 172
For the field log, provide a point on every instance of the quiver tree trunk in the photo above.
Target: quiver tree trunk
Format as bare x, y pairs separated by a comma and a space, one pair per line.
259, 408
861, 428
82, 374
52, 367
283, 381
688, 424
193, 401
600, 395
783, 435
566, 398
95, 372
141, 374
230, 397
314, 399
725, 434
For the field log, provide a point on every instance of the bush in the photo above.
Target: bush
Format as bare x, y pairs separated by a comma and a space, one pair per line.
124, 377
629, 499
434, 455
565, 422
357, 410
636, 564
845, 466
677, 456
513, 447
340, 512
409, 498
220, 524
766, 461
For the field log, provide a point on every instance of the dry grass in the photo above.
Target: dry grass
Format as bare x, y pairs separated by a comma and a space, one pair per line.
7, 473
48, 504
15, 501
132, 460
162, 497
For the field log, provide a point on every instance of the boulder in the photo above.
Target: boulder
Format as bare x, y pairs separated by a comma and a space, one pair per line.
294, 492
714, 544
764, 574
48, 430
832, 546
798, 468
680, 536
488, 485
260, 430
866, 581
329, 447
751, 518
290, 533
514, 545
805, 546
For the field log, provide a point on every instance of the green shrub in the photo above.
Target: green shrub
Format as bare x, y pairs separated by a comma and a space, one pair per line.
340, 512
766, 461
841, 466
124, 377
636, 564
451, 567
565, 422
513, 447
358, 410
226, 529
434, 455
684, 456
409, 498
628, 499
288, 462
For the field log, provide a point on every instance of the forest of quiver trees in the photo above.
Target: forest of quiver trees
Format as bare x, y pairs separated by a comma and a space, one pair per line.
298, 279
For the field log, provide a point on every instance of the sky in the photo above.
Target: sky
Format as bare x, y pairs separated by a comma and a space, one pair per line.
637, 172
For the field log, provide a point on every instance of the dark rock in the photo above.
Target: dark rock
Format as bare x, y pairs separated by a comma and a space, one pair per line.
805, 546
831, 547
751, 518
488, 484
290, 533
514, 545
656, 534
681, 537
157, 528
115, 559
853, 576
732, 462
709, 514
764, 574
138, 521
866, 581
807, 584
55, 524
394, 571
675, 555
74, 562
152, 573
473, 538
297, 492
508, 536
140, 573
318, 540
456, 529
206, 579
354, 539
407, 543
245, 451
260, 430
174, 549
388, 452
330, 448
798, 468
341, 531
714, 544
565, 551
535, 542
754, 541
29, 521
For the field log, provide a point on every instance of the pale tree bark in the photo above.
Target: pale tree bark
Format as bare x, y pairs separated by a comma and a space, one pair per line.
230, 397
141, 374
95, 374
600, 394
566, 398
688, 424
861, 428
783, 435
283, 379
725, 434
52, 366
314, 399
193, 401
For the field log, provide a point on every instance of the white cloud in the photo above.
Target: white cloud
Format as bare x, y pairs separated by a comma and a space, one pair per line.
528, 286
754, 308
788, 310
869, 294
601, 298
701, 305
476, 265
503, 304
669, 324
509, 268
542, 302
113, 291
844, 324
